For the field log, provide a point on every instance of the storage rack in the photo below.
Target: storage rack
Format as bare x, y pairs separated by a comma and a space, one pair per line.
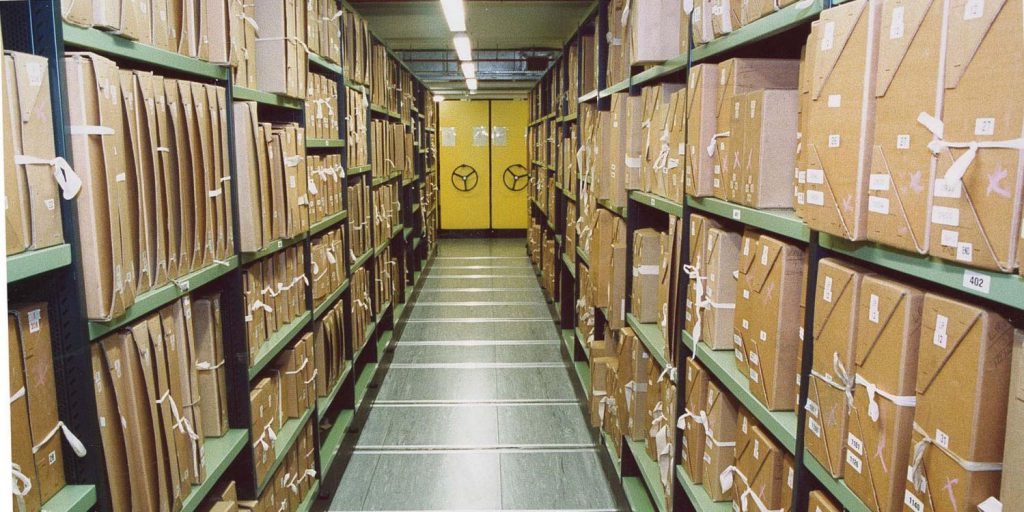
638, 472
52, 274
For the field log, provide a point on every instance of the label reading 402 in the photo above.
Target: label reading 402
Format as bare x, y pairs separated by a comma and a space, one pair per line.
977, 281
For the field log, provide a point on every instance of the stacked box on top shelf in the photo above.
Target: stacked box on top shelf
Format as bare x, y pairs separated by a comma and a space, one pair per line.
140, 373
274, 292
362, 307
273, 191
383, 89
661, 137
608, 270
330, 349
406, 96
281, 61
360, 238
652, 31
193, 28
132, 238
321, 107
328, 264
242, 29
355, 120
323, 29
617, 63
357, 46
326, 186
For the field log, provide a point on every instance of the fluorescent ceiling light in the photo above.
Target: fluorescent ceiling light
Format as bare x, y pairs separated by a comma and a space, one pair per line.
438, 98
454, 14
462, 47
471, 83
469, 69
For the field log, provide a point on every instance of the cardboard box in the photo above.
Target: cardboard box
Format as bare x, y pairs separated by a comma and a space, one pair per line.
888, 330
773, 285
692, 421
975, 100
27, 494
653, 31
697, 272
839, 137
725, 16
609, 231
19, 235
965, 351
703, 175
111, 433
1013, 453
700, 18
744, 308
646, 264
600, 394
209, 346
720, 445
818, 501
788, 477
637, 422
769, 143
758, 466
718, 304
900, 186
836, 299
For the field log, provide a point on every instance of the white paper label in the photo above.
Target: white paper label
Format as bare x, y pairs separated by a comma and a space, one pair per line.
707, 455
757, 449
739, 355
789, 478
34, 317
736, 110
873, 308
879, 205
754, 359
812, 407
853, 461
746, 295
939, 338
896, 27
816, 197
949, 189
964, 251
815, 176
736, 213
946, 216
835, 100
746, 245
985, 126
828, 36
814, 427
912, 502
977, 281
764, 255
942, 438
903, 140
826, 293
879, 182
855, 443
763, 336
949, 238
753, 375
745, 323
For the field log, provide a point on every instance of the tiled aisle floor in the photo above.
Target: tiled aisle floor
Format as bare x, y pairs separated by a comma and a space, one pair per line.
477, 410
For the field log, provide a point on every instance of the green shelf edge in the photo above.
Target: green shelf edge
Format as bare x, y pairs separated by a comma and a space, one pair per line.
328, 222
650, 335
1007, 289
220, 453
699, 497
280, 339
363, 382
156, 298
397, 229
763, 28
406, 232
583, 256
383, 311
612, 89
569, 194
266, 98
33, 263
582, 342
722, 363
384, 340
359, 169
610, 446
323, 403
782, 222
650, 473
114, 45
311, 496
360, 261
380, 248
330, 301
590, 96
567, 340
569, 265
286, 438
636, 494
274, 246
657, 202
837, 488
325, 64
325, 143
604, 203
334, 439
355, 86
72, 498
385, 179
583, 374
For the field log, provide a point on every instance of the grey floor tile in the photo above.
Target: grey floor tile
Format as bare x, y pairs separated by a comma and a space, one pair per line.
549, 353
554, 480
419, 354
473, 309
436, 481
456, 426
534, 384
438, 384
542, 424
532, 293
485, 281
355, 483
486, 268
496, 330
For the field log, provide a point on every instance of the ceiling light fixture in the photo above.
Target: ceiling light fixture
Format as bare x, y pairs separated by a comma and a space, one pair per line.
469, 69
462, 47
472, 83
454, 14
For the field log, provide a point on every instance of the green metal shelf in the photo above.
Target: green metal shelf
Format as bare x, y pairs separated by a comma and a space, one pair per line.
360, 261
583, 374
384, 179
219, 452
583, 343
619, 87
837, 488
114, 45
72, 498
334, 439
286, 438
383, 311
590, 96
650, 335
383, 111
266, 98
380, 248
324, 403
781, 222
416, 241
370, 331
722, 363
327, 222
568, 118
271, 248
363, 382
657, 202
311, 495
569, 265
604, 203
569, 194
158, 297
355, 86
384, 341
280, 339
583, 256
538, 163
396, 230
324, 143
325, 64
406, 232
673, 65
32, 263
329, 302
636, 494
699, 497
1005, 289
761, 29
650, 473
567, 340
359, 169
612, 454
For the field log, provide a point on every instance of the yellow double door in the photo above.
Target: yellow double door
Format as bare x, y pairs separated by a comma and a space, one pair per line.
482, 166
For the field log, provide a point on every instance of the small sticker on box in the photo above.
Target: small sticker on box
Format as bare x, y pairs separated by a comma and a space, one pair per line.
757, 449
812, 407
951, 189
789, 478
833, 140
903, 141
835, 100
977, 281
764, 255
942, 438
814, 427
828, 36
746, 295
34, 317
879, 182
707, 455
716, 183
746, 246
816, 197
873, 308
854, 462
912, 502
946, 216
949, 238
939, 338
984, 126
855, 443
739, 355
753, 375
815, 176
879, 205
754, 359
896, 27
826, 293
763, 336
801, 334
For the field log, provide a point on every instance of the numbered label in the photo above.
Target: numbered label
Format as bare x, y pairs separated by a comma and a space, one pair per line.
736, 214
977, 281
